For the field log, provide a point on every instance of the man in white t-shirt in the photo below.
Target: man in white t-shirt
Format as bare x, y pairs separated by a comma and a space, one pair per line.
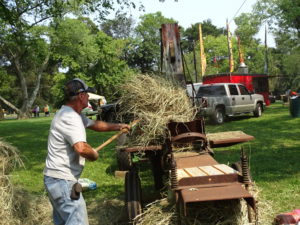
67, 151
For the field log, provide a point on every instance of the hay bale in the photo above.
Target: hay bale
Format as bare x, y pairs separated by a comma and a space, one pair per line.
110, 211
6, 201
205, 213
17, 206
30, 209
158, 212
229, 212
9, 157
265, 210
156, 102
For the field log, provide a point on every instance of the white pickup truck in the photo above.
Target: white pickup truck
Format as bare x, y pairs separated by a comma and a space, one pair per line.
227, 99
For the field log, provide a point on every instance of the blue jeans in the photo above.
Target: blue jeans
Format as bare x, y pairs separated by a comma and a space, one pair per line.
65, 210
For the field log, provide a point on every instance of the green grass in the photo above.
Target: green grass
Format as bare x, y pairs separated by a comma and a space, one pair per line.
274, 156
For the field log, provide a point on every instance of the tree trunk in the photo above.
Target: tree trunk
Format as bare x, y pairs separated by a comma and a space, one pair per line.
25, 110
16, 62
38, 82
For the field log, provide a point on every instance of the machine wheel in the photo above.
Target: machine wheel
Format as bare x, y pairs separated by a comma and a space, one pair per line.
218, 116
133, 195
258, 110
123, 158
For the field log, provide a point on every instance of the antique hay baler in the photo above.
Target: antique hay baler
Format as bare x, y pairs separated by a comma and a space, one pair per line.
193, 176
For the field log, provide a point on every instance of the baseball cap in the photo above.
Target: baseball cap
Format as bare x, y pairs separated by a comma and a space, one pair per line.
76, 86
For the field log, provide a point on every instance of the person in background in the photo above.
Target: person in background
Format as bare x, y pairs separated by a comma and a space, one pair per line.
102, 101
37, 111
33, 112
47, 110
67, 151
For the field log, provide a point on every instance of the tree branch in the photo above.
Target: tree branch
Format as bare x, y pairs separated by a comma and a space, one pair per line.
9, 104
37, 22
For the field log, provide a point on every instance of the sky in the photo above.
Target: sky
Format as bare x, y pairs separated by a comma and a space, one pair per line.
188, 12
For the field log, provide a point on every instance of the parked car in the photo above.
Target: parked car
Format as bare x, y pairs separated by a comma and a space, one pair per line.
96, 102
219, 100
190, 87
272, 98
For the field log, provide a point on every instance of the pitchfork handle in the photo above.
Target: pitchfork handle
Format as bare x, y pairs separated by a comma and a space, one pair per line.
115, 136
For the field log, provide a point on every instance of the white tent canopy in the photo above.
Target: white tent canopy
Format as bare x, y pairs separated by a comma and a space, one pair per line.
95, 97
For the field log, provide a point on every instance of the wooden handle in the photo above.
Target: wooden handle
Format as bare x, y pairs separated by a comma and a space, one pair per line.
132, 124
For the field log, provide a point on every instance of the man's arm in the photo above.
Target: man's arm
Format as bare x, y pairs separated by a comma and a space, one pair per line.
104, 126
86, 151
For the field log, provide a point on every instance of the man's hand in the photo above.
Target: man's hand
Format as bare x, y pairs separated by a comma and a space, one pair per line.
124, 127
86, 151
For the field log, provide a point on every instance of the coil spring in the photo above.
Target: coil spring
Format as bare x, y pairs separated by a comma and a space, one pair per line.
174, 182
245, 168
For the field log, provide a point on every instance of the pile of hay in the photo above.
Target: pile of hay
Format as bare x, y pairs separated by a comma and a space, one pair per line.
9, 158
17, 206
159, 212
156, 102
230, 212
109, 211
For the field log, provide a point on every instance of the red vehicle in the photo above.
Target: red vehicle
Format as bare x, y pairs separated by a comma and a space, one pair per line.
257, 83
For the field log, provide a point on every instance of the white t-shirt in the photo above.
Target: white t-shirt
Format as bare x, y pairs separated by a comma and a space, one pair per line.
67, 128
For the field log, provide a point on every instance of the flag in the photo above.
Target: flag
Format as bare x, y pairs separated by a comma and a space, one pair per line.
241, 54
231, 63
266, 53
202, 54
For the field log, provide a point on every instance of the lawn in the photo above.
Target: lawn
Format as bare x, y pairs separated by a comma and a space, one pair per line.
273, 156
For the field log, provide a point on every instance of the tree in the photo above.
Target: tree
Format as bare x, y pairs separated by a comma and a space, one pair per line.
24, 39
283, 18
93, 57
109, 71
147, 44
28, 56
191, 34
74, 46
247, 28
6, 92
121, 27
283, 13
216, 52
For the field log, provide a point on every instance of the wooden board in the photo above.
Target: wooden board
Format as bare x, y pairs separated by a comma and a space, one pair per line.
218, 169
210, 170
194, 172
181, 174
223, 139
225, 169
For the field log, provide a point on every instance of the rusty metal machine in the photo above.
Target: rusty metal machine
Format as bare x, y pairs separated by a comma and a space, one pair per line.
195, 176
